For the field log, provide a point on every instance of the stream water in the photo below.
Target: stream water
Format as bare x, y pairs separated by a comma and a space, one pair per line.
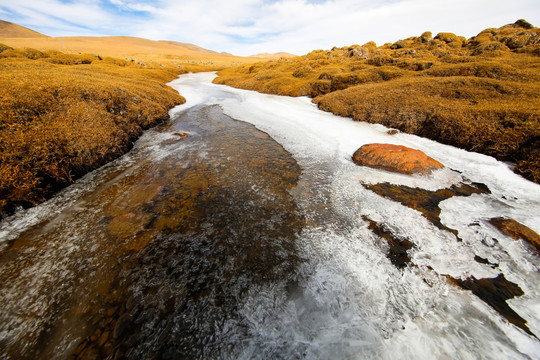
257, 237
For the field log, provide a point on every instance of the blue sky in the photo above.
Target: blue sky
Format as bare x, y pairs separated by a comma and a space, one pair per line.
246, 27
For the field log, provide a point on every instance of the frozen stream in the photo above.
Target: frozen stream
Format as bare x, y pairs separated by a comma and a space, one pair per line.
257, 237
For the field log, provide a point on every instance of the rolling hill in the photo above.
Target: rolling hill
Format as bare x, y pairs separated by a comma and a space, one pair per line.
11, 30
127, 47
277, 55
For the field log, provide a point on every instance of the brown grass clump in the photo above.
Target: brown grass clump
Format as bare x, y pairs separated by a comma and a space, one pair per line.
62, 115
5, 47
480, 94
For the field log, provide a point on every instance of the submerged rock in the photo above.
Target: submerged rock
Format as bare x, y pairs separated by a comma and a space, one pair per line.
398, 246
395, 158
495, 292
426, 201
516, 230
181, 134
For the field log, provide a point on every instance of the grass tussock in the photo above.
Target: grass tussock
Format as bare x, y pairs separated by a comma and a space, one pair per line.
481, 94
62, 115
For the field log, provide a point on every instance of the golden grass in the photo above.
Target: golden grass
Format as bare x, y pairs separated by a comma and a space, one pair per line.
62, 115
481, 94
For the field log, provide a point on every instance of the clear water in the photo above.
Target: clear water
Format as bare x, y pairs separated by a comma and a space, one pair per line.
251, 239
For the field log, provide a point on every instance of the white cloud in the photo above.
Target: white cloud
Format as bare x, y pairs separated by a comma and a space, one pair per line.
246, 27
80, 17
135, 6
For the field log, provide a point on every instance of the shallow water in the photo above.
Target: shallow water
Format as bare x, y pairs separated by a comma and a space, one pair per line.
260, 238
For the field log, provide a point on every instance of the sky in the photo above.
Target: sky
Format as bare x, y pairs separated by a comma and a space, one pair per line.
247, 27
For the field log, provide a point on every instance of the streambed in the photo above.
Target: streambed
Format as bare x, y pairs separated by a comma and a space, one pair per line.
257, 237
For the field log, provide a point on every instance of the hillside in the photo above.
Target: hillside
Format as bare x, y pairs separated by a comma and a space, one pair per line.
129, 48
108, 45
480, 94
11, 30
277, 55
190, 46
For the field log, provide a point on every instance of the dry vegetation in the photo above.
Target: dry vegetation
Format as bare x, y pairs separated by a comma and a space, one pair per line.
481, 94
62, 115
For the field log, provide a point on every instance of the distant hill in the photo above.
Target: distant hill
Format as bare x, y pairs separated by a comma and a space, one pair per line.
127, 47
277, 55
109, 45
11, 30
188, 46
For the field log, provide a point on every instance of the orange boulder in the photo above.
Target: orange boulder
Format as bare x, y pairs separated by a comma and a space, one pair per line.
395, 158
